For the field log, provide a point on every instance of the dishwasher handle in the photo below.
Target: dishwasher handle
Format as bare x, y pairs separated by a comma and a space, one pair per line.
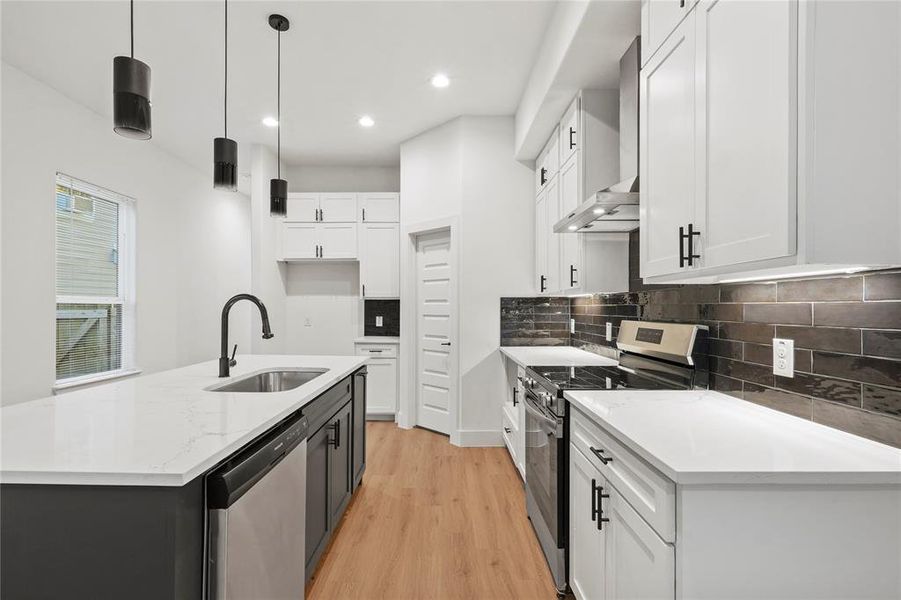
238, 474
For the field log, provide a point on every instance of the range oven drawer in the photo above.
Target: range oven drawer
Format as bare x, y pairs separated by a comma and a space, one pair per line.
650, 492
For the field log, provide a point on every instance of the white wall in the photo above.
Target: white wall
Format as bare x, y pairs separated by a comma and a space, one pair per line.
465, 170
323, 312
311, 178
193, 244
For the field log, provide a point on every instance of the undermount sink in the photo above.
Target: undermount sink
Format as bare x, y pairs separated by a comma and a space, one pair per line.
277, 380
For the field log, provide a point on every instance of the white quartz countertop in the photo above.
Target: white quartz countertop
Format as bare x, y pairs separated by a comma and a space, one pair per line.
554, 356
704, 437
377, 339
162, 429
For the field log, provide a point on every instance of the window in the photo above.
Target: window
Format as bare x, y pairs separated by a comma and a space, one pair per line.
94, 284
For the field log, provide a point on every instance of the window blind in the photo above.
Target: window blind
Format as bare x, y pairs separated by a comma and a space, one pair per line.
90, 294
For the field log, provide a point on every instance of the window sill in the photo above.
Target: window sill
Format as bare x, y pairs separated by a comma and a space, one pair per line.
86, 380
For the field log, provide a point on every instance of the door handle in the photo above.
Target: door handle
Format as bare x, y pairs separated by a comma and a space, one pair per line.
506, 429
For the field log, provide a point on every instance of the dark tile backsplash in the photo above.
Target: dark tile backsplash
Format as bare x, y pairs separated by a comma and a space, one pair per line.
389, 310
847, 333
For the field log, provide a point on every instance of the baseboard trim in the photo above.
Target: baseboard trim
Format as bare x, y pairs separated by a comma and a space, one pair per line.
379, 416
478, 438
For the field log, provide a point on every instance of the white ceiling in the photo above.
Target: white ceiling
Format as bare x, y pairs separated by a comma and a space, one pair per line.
339, 60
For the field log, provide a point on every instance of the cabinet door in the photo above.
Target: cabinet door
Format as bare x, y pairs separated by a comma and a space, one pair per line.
658, 19
552, 154
569, 131
340, 465
302, 207
338, 208
541, 174
380, 260
300, 240
570, 243
338, 240
317, 518
586, 541
541, 241
358, 441
667, 159
746, 131
639, 564
552, 205
381, 394
379, 208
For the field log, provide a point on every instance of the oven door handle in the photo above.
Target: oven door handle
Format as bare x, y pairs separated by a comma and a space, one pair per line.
554, 424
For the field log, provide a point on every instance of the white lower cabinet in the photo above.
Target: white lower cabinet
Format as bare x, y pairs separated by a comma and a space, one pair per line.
586, 540
514, 416
381, 379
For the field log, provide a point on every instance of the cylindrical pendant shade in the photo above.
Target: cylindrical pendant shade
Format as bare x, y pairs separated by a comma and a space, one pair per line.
225, 164
278, 197
131, 98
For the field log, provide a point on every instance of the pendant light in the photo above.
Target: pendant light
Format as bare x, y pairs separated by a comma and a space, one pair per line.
225, 151
131, 92
278, 188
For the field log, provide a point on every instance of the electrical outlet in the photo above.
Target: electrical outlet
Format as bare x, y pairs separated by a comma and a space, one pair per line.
609, 331
572, 325
783, 357
379, 321
307, 322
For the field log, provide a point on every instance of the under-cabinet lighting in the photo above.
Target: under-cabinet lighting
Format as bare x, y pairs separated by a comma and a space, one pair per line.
770, 277
573, 227
599, 211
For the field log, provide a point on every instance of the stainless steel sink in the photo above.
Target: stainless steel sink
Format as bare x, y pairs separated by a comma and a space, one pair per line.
278, 380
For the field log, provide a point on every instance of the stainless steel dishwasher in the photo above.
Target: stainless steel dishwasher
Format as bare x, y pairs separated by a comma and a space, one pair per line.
257, 517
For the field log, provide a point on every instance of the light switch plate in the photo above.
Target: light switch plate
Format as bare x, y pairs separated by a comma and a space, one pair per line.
572, 325
783, 357
609, 331
379, 321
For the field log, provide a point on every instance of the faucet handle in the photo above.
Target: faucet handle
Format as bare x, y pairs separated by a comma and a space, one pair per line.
232, 362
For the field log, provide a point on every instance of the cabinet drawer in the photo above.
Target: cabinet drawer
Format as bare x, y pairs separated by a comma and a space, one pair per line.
648, 491
378, 350
509, 433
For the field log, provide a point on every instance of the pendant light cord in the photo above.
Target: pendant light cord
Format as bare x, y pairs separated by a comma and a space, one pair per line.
278, 108
225, 102
131, 12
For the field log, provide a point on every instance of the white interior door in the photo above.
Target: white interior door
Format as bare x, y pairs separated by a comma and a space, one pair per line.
436, 385
338, 208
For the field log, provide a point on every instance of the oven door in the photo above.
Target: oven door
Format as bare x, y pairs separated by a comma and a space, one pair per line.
544, 440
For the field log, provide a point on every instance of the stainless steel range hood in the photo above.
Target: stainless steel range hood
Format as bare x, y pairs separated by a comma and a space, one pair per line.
615, 209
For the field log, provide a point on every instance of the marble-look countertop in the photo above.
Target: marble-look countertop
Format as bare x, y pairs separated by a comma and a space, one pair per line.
704, 437
377, 339
163, 429
554, 356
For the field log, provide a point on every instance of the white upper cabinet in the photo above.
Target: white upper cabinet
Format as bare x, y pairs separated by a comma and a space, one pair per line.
338, 208
319, 241
569, 131
667, 157
300, 241
379, 208
303, 207
338, 241
379, 260
659, 18
547, 243
548, 163
758, 157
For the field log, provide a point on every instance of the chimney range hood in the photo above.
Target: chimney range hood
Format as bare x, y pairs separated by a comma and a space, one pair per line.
615, 209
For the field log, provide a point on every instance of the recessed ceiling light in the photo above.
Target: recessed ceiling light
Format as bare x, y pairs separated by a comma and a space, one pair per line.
573, 228
270, 121
366, 121
599, 211
440, 80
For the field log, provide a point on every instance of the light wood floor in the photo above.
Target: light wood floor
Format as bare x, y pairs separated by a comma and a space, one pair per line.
433, 521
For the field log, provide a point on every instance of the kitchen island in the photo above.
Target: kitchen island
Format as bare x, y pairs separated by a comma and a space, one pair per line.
103, 490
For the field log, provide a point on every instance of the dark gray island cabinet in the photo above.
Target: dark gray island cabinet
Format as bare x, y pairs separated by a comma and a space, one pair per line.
149, 542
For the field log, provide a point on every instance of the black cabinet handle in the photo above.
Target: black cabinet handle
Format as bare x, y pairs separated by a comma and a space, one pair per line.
364, 214
572, 275
600, 454
572, 142
515, 396
597, 509
336, 439
681, 3
445, 343
364, 290
321, 251
543, 283
507, 429
543, 175
682, 257
691, 236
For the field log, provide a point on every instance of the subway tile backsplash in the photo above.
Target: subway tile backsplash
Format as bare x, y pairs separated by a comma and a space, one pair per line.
847, 334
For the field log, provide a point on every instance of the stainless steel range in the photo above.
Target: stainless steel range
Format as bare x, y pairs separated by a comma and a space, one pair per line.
653, 356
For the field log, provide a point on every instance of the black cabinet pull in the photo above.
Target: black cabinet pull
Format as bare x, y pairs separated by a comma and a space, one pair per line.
681, 3
597, 508
321, 251
691, 236
600, 454
572, 132
364, 290
336, 439
445, 343
364, 214
507, 429
515, 396
543, 175
682, 258
543, 283
572, 275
